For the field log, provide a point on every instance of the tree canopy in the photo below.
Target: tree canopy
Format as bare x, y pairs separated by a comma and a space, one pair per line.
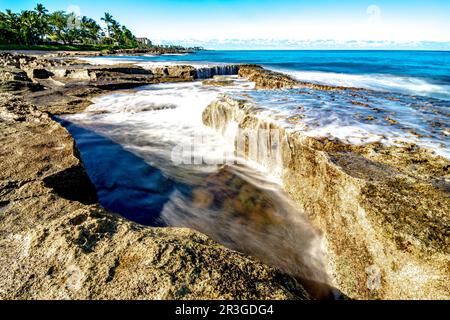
38, 26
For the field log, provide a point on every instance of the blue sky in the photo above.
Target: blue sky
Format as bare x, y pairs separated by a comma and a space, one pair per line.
268, 24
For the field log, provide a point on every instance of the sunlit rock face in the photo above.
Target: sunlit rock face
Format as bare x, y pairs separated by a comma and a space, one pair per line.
59, 243
379, 192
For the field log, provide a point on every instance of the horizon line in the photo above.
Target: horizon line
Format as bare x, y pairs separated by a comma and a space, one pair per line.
434, 50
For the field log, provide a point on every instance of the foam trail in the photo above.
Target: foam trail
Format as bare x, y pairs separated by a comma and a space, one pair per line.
358, 117
237, 205
406, 85
108, 60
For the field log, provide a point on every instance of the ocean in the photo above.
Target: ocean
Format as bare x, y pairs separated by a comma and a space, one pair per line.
424, 73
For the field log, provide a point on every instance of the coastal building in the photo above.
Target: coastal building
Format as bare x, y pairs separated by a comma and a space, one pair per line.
144, 42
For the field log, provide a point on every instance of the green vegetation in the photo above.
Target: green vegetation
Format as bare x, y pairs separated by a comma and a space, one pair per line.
56, 46
40, 30
173, 47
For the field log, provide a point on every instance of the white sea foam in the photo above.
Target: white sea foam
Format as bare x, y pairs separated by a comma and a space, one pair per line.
107, 60
325, 114
152, 120
407, 85
359, 118
112, 60
168, 113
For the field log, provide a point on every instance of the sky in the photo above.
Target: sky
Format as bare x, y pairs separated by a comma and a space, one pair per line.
269, 24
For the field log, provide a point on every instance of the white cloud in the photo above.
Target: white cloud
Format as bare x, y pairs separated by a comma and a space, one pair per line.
263, 43
374, 13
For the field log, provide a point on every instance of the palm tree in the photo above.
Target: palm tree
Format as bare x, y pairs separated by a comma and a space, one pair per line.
43, 27
35, 26
73, 30
129, 40
108, 19
5, 29
89, 30
9, 27
58, 21
116, 32
29, 25
40, 10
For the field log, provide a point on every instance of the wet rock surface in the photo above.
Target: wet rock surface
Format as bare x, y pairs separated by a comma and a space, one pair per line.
218, 81
58, 243
384, 211
267, 79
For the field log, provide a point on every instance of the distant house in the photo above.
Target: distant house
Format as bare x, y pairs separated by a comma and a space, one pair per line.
144, 42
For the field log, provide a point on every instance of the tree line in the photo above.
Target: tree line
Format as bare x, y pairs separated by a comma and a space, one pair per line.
38, 26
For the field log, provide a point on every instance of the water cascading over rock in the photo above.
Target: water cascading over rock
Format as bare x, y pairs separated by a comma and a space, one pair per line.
220, 70
385, 220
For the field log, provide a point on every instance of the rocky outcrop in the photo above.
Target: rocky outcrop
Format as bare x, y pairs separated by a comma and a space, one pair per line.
59, 86
58, 243
191, 73
49, 72
175, 71
384, 211
15, 79
122, 76
219, 81
22, 72
267, 79
12, 78
35, 67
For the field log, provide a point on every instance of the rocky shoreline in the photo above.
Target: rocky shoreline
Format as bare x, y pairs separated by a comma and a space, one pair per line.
129, 52
383, 210
57, 242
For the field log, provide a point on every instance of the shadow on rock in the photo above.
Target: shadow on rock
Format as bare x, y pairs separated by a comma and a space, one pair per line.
125, 183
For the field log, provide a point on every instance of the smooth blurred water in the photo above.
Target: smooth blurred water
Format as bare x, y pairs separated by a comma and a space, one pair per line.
412, 72
127, 142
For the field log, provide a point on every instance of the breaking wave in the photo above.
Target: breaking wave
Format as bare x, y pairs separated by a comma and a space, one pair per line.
381, 82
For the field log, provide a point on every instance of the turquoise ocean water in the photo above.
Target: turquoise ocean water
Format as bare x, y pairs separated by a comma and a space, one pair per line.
424, 73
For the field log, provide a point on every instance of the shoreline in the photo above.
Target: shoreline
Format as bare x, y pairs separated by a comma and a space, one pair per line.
95, 53
70, 246
81, 82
